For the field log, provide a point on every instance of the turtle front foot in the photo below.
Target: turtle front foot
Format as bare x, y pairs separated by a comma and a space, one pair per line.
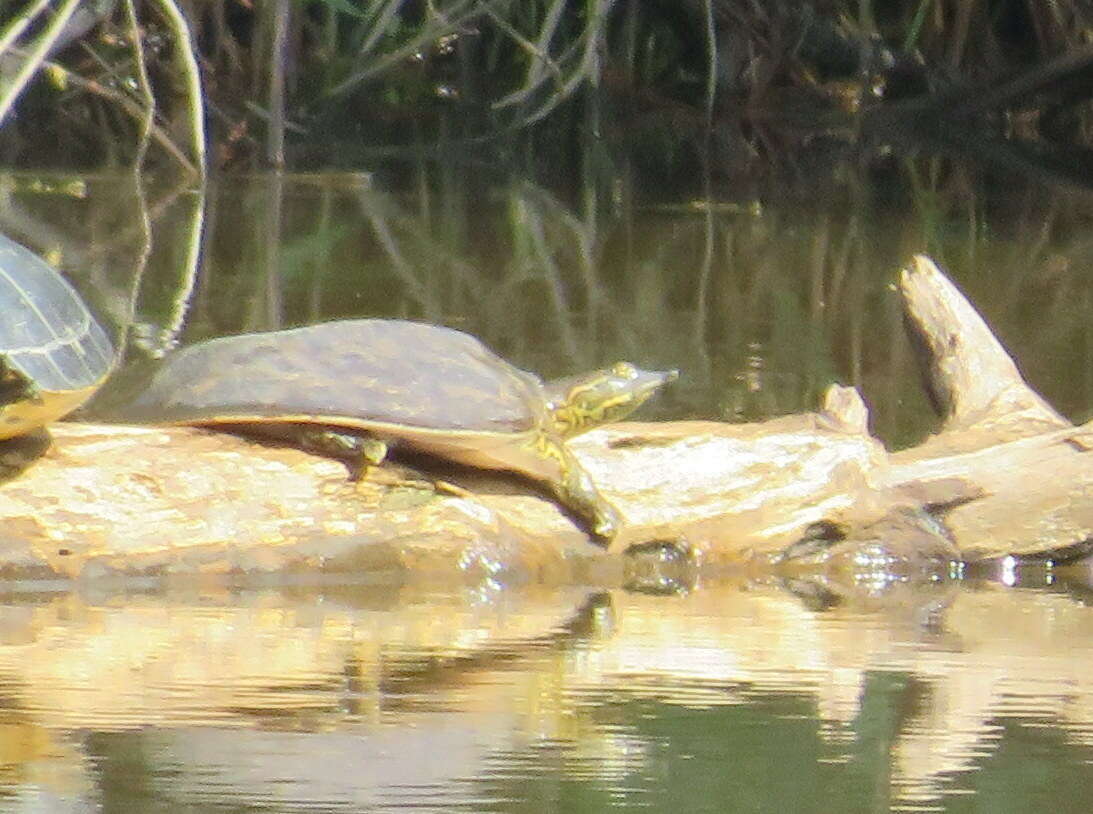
606, 523
600, 517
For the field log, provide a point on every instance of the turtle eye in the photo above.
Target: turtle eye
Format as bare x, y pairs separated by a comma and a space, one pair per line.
624, 370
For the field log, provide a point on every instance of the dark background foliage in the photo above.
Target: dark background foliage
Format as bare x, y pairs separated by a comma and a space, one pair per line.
670, 84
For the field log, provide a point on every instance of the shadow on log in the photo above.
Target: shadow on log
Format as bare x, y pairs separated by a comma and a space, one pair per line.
795, 497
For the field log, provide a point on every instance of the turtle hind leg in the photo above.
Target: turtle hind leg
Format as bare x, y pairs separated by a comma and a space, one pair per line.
360, 451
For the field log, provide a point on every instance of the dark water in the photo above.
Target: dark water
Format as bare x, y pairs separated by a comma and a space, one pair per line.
490, 697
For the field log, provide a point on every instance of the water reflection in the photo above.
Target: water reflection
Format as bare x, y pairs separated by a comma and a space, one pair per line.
574, 700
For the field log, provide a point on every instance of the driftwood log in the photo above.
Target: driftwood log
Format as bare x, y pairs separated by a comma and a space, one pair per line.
1006, 475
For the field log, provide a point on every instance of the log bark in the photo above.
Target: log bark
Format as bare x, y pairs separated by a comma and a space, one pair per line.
800, 495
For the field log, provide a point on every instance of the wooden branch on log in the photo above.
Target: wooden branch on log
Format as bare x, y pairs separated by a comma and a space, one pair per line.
796, 495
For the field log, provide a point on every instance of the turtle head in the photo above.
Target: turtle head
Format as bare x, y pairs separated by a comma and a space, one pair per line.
579, 403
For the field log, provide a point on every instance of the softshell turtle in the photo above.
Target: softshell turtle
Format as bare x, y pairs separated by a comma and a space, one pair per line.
53, 354
354, 387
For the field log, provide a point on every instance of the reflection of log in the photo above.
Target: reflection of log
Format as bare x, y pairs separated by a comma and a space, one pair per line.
254, 688
1006, 474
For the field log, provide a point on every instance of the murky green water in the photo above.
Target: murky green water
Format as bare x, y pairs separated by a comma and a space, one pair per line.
517, 698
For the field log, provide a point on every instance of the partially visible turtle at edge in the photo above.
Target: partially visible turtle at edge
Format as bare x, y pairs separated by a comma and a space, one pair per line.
53, 354
353, 388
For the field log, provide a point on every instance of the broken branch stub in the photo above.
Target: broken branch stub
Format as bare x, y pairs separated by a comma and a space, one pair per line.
973, 381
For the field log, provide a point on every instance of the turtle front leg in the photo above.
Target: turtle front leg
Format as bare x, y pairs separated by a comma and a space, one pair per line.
576, 491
